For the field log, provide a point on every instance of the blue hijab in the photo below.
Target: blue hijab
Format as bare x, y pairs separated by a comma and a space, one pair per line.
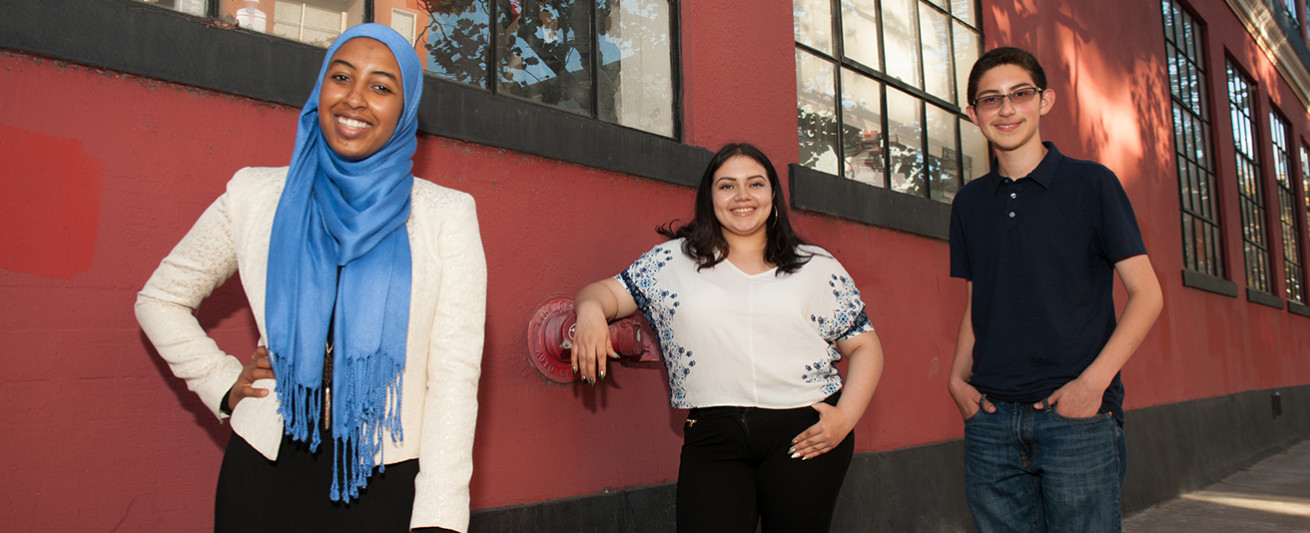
339, 254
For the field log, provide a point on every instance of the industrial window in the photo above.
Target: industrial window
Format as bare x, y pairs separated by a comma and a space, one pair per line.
607, 59
610, 59
1255, 242
880, 93
1203, 249
1293, 278
1305, 178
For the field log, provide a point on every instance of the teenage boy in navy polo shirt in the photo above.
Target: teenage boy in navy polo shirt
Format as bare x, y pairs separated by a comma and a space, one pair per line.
1036, 373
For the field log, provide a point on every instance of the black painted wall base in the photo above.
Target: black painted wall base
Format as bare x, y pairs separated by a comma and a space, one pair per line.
1172, 449
1178, 448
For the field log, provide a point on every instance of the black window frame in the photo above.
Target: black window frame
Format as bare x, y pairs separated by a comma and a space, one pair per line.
141, 39
1288, 206
1257, 239
494, 54
1200, 203
829, 194
1301, 186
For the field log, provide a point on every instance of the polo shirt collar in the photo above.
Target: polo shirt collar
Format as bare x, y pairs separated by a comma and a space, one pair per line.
1044, 174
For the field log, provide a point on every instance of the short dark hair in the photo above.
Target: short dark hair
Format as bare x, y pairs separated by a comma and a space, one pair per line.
1006, 55
704, 242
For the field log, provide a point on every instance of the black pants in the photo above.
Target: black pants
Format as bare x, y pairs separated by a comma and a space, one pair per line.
291, 494
736, 472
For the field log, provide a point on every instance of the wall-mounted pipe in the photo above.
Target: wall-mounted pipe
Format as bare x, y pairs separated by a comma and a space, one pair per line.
550, 339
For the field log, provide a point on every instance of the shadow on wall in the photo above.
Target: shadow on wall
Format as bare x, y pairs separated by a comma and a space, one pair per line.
1114, 92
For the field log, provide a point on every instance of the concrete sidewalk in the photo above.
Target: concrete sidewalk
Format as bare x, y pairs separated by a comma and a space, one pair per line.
1270, 496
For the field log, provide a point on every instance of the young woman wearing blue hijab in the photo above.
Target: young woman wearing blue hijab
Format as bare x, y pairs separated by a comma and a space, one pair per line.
368, 286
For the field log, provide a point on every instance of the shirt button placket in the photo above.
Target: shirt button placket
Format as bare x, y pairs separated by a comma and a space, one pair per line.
1012, 215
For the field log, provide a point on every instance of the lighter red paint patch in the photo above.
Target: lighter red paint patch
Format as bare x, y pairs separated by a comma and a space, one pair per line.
49, 204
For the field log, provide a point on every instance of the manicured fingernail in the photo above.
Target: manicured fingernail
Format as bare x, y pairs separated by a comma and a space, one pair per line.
792, 451
602, 374
806, 458
795, 455
575, 370
793, 442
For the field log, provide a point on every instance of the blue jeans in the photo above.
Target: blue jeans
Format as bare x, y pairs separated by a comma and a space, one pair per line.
1035, 470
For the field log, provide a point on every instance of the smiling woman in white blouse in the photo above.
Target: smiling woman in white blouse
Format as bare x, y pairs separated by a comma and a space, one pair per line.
751, 321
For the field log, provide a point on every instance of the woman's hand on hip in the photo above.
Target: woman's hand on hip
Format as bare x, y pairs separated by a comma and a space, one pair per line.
257, 368
831, 429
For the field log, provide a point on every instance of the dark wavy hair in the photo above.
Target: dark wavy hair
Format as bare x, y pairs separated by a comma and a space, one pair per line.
1006, 55
703, 236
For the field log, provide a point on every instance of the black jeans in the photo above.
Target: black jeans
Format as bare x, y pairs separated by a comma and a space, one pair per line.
736, 472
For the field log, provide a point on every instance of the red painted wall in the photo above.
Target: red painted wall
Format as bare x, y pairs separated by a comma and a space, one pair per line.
1109, 71
104, 172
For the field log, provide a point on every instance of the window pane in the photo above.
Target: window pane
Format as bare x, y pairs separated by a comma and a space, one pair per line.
286, 20
943, 155
198, 8
935, 31
1196, 172
905, 143
882, 135
405, 23
977, 159
249, 14
1287, 208
635, 82
458, 36
816, 119
901, 40
1305, 178
862, 141
968, 46
1305, 187
323, 19
859, 20
812, 24
965, 10
316, 22
544, 52
1255, 245
571, 54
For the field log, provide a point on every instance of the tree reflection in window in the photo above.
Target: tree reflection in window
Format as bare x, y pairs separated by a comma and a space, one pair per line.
609, 59
546, 58
894, 117
457, 40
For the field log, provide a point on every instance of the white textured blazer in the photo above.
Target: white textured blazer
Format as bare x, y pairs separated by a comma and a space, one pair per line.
444, 348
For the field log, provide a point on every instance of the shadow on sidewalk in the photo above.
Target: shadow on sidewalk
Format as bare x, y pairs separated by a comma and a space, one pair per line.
1270, 496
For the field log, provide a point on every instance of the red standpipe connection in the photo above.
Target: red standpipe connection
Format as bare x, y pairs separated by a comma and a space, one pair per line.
550, 339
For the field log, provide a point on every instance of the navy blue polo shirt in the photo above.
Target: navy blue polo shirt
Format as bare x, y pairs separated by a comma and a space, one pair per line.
1041, 253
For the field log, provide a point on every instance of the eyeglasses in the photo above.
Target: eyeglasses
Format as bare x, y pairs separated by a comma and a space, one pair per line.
992, 102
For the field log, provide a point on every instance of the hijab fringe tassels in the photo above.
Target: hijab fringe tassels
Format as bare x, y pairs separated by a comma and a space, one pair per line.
339, 255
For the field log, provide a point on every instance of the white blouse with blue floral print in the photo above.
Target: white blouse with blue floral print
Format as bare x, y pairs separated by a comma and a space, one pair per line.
730, 338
